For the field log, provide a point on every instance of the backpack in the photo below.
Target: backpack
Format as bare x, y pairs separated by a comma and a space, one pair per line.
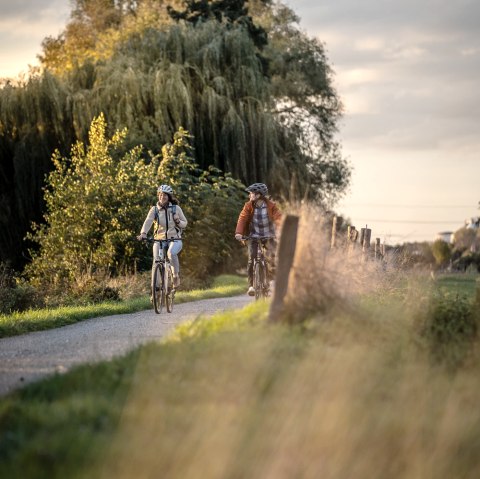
157, 218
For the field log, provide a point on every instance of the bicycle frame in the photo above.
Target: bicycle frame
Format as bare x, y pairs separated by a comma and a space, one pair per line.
260, 282
163, 291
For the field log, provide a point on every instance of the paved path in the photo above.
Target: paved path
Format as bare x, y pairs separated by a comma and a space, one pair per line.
32, 356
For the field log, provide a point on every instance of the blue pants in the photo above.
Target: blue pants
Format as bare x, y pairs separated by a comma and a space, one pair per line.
174, 248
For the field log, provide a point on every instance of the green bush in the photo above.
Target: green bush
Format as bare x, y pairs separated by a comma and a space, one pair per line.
450, 325
211, 202
97, 201
97, 293
441, 252
16, 294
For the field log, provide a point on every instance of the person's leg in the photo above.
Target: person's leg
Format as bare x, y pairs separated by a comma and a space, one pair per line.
174, 248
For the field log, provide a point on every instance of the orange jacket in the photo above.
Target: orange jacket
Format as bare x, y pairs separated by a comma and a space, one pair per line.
246, 215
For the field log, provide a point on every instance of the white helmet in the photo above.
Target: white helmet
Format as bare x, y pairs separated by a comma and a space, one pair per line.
165, 189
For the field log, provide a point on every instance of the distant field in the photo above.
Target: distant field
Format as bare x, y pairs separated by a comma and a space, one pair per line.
462, 284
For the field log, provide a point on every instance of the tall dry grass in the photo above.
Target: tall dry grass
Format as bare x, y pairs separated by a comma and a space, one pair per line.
355, 396
326, 279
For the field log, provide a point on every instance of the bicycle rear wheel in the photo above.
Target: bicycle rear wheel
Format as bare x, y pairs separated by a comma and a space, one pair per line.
158, 291
265, 280
169, 289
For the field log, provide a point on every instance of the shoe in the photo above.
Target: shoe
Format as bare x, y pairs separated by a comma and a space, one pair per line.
251, 291
176, 281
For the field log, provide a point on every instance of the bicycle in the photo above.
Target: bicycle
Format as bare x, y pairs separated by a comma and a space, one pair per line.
163, 290
260, 267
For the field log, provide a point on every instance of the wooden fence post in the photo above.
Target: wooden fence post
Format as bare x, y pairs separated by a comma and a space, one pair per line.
378, 252
336, 225
285, 254
366, 240
350, 238
334, 232
362, 237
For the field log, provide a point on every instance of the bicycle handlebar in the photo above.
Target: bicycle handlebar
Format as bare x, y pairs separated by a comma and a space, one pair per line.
246, 238
153, 240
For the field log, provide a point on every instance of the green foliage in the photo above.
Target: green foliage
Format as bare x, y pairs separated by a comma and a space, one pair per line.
466, 239
211, 202
15, 294
133, 63
441, 252
232, 11
94, 201
450, 325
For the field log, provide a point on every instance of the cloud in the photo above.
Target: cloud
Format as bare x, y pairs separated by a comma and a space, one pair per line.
31, 10
406, 72
23, 26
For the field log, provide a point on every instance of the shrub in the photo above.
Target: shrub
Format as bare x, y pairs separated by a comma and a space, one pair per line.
450, 325
211, 202
441, 252
98, 198
16, 294
95, 200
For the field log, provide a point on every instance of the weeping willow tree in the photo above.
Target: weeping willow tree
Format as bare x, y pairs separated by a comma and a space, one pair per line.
262, 111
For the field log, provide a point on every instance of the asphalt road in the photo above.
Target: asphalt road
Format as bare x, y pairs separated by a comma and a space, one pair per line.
33, 356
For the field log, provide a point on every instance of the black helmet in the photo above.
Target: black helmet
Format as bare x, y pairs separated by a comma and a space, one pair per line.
258, 188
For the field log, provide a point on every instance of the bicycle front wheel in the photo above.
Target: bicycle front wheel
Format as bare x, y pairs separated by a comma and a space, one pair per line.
169, 289
258, 280
157, 289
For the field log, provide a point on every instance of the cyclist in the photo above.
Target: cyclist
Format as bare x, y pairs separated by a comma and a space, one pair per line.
257, 220
169, 221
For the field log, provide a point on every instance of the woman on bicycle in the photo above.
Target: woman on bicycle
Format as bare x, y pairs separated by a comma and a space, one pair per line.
169, 221
258, 220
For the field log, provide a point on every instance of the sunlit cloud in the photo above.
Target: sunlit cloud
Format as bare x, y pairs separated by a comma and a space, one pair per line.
468, 52
23, 26
370, 44
359, 76
407, 52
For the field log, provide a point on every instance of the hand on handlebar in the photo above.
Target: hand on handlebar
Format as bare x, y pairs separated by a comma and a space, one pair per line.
239, 237
142, 237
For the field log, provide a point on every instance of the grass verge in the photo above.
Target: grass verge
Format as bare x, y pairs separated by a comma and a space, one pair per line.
352, 396
37, 320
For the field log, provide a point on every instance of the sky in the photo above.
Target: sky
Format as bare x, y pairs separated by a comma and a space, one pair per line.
407, 74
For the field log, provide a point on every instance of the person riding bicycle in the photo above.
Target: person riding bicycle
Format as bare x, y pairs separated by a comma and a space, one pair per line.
169, 221
258, 219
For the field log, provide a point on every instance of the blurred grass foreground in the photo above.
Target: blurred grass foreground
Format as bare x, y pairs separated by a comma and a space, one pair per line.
372, 374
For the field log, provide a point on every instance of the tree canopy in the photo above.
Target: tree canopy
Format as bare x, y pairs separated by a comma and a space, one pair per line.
261, 110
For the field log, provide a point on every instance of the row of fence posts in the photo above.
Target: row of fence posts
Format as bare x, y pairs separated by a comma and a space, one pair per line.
355, 241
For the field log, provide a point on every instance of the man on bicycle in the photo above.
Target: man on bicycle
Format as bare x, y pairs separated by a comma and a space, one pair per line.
258, 220
169, 221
